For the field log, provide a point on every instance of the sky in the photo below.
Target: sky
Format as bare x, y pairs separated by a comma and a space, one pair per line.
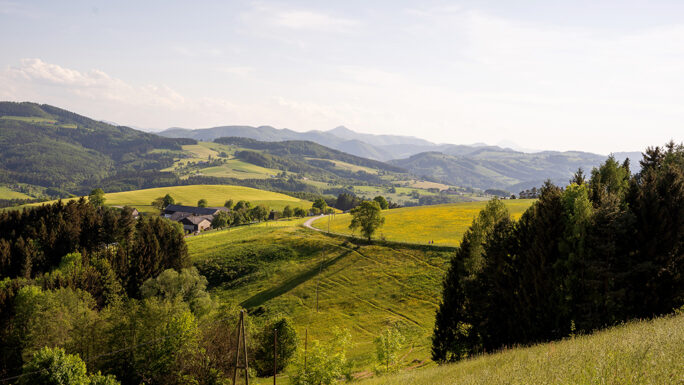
599, 76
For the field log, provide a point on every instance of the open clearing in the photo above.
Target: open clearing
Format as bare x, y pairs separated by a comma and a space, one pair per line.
443, 224
7, 193
645, 352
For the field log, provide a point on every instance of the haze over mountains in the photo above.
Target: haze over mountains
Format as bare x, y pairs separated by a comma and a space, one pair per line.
478, 165
46, 146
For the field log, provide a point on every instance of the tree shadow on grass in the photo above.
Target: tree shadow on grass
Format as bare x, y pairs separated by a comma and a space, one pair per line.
266, 295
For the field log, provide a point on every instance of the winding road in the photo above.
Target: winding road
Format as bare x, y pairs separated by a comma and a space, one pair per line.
308, 223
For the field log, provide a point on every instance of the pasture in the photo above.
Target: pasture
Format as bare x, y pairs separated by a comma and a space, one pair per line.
233, 168
443, 224
642, 352
280, 268
216, 195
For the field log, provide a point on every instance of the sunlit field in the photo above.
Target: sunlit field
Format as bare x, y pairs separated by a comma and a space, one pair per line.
646, 352
443, 224
278, 267
216, 195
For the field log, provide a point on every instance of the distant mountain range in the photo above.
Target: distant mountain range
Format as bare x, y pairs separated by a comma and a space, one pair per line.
478, 165
50, 147
378, 147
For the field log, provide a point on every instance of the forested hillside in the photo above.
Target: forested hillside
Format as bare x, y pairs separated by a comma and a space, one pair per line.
50, 147
494, 167
305, 149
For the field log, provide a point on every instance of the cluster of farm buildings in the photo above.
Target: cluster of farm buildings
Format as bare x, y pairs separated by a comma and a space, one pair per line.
193, 219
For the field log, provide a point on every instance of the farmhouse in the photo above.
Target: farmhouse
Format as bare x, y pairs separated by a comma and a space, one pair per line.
193, 219
196, 223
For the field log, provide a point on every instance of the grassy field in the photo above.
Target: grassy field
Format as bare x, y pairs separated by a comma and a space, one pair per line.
363, 288
443, 224
646, 352
233, 168
6, 193
38, 120
216, 195
348, 166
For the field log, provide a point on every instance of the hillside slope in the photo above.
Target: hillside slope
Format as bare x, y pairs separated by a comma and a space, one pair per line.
644, 352
216, 196
339, 138
50, 147
498, 168
363, 288
440, 224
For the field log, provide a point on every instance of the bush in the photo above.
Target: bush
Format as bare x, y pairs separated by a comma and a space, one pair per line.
54, 367
325, 364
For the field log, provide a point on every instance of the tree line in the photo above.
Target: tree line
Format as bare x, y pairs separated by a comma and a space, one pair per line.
596, 253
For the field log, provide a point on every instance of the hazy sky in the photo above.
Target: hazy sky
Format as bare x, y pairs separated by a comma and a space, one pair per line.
587, 75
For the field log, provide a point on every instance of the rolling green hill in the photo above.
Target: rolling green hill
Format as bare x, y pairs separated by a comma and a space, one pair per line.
443, 224
50, 147
493, 167
274, 270
643, 352
216, 196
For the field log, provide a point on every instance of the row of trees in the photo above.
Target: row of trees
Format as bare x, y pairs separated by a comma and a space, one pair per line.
591, 255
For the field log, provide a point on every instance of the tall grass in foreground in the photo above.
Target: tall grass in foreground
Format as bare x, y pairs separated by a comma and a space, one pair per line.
643, 352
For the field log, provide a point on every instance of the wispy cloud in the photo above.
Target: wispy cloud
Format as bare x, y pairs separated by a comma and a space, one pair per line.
274, 17
95, 84
240, 71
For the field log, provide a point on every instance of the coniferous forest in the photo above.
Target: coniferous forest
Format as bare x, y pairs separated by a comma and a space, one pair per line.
607, 248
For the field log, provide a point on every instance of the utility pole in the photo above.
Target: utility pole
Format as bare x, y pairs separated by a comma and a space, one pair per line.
241, 340
275, 354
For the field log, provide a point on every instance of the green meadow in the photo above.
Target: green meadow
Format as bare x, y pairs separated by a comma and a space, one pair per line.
7, 193
443, 224
216, 195
281, 268
643, 352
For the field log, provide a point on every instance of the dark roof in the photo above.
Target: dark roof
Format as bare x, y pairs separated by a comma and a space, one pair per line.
170, 209
177, 216
196, 219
